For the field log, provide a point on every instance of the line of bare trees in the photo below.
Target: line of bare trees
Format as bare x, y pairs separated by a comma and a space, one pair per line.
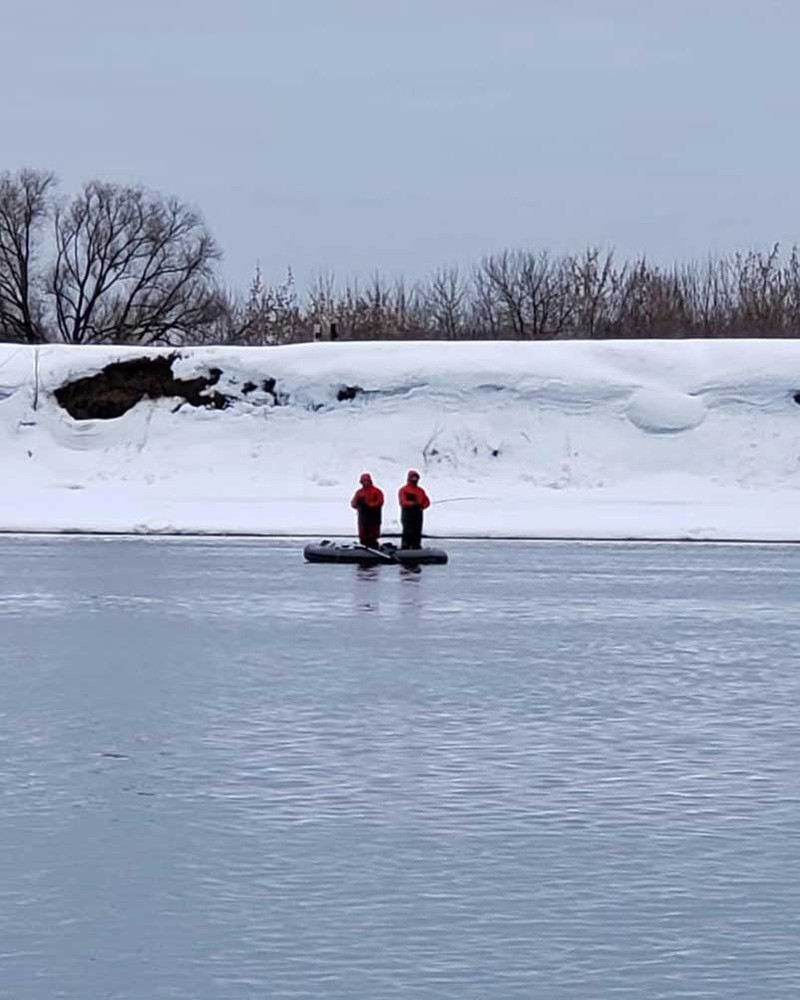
118, 264
525, 295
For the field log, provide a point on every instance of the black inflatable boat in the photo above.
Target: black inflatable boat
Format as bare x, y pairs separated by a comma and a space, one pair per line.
338, 552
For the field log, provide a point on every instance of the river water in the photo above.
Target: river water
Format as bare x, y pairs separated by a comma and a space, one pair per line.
544, 770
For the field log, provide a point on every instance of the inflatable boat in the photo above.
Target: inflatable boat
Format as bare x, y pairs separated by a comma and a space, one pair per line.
340, 552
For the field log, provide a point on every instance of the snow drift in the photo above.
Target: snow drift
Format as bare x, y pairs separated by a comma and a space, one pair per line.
643, 439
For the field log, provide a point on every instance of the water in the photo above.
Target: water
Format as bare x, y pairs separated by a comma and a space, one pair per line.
556, 771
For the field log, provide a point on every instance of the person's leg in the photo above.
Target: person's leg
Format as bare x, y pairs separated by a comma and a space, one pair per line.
370, 533
405, 521
414, 529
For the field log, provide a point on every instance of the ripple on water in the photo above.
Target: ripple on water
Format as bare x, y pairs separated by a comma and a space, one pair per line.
558, 771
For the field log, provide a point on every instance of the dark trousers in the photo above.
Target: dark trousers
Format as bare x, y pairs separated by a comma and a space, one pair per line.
369, 530
411, 520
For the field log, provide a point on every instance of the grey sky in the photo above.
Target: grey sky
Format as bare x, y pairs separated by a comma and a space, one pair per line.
350, 136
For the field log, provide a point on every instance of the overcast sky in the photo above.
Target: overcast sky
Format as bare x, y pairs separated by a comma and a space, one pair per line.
346, 135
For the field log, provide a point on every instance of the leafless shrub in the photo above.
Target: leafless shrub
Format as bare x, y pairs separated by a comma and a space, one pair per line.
270, 314
531, 295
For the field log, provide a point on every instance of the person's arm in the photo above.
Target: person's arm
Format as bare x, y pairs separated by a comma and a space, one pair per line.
406, 497
424, 501
356, 501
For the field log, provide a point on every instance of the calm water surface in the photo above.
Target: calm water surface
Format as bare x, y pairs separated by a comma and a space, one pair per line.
544, 771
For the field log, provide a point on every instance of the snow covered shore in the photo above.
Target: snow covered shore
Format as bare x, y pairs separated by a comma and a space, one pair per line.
644, 439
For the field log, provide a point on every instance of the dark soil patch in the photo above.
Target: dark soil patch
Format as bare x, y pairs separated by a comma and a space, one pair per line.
120, 386
269, 385
348, 392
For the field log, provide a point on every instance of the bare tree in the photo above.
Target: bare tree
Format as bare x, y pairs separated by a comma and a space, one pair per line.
445, 297
502, 273
24, 207
130, 266
534, 292
486, 307
592, 280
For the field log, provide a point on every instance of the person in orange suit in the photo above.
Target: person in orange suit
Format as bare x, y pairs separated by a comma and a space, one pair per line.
413, 501
368, 501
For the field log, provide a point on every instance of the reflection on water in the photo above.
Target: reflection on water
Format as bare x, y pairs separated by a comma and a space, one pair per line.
561, 771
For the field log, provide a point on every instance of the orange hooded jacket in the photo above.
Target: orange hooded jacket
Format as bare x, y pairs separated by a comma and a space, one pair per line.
368, 495
412, 495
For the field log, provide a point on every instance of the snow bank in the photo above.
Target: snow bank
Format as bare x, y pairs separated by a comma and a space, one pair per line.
650, 439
